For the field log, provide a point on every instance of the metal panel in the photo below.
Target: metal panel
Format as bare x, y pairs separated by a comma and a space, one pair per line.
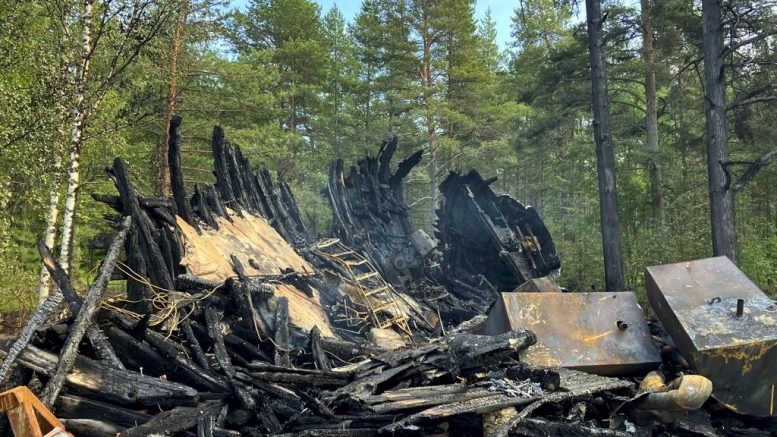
579, 330
697, 303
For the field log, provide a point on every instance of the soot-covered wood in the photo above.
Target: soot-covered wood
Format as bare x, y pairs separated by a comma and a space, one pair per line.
489, 241
369, 212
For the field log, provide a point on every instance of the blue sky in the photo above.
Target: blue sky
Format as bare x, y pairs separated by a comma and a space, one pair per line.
501, 11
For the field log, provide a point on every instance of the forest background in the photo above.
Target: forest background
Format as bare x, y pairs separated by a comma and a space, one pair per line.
297, 86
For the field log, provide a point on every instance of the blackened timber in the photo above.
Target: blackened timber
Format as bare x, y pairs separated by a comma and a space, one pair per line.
319, 356
102, 347
280, 219
84, 318
176, 175
195, 283
147, 247
484, 233
162, 216
223, 184
188, 369
206, 425
240, 346
112, 385
535, 426
137, 291
203, 209
576, 384
213, 321
287, 198
194, 345
296, 378
135, 353
236, 174
176, 420
213, 201
166, 249
91, 427
282, 346
77, 407
465, 349
369, 213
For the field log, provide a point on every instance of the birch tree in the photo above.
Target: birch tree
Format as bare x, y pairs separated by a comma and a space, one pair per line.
117, 32
65, 80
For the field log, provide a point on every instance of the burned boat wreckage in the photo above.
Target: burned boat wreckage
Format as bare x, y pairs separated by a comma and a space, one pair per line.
238, 322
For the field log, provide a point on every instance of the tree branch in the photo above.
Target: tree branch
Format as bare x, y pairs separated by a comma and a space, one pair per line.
750, 173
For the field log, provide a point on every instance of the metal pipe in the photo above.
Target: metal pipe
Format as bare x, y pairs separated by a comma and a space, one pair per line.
740, 307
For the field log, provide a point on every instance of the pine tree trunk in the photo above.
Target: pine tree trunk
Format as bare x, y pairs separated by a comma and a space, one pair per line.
163, 179
724, 241
431, 130
651, 115
79, 117
605, 157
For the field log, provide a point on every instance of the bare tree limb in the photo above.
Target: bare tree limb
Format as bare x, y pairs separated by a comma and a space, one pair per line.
749, 174
754, 96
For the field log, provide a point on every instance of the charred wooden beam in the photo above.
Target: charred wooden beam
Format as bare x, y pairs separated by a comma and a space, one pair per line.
91, 427
319, 356
176, 175
110, 384
143, 249
202, 207
369, 213
84, 318
194, 345
102, 347
223, 184
185, 367
77, 407
176, 420
482, 232
195, 283
282, 345
213, 321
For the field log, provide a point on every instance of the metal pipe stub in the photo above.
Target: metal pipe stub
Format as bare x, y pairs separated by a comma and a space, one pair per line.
702, 306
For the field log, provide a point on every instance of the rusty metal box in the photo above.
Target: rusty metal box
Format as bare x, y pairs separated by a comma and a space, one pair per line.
736, 349
603, 333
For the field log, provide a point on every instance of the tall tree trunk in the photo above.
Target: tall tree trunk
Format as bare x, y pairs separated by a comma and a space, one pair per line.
79, 116
605, 157
50, 238
724, 241
651, 115
163, 179
44, 284
431, 129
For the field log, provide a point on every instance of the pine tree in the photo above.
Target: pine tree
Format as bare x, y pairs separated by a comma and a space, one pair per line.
290, 31
337, 111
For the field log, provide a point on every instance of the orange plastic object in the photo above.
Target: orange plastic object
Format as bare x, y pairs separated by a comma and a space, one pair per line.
28, 416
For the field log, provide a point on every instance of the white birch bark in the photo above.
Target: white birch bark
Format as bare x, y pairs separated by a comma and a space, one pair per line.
51, 223
64, 84
78, 117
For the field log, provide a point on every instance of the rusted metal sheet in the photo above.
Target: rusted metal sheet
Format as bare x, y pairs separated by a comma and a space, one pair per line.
697, 303
603, 333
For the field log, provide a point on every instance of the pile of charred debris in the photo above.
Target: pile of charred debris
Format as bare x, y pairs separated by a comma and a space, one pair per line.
237, 322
